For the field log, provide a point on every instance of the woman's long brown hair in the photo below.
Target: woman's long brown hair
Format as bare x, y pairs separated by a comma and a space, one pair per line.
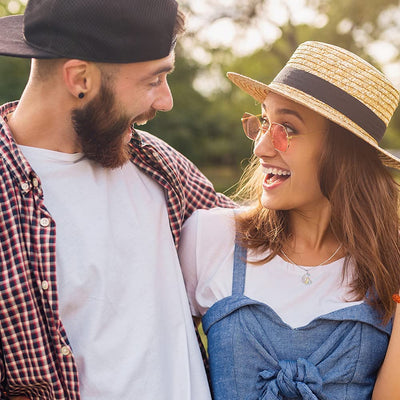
364, 199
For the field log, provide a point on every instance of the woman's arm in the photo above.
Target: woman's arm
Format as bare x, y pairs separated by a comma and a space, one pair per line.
388, 383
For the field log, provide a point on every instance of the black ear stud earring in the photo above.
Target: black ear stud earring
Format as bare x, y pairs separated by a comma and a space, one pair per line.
81, 95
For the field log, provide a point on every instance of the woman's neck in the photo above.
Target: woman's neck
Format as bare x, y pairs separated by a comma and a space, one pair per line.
311, 238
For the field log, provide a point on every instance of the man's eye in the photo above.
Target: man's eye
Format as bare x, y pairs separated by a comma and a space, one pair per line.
156, 82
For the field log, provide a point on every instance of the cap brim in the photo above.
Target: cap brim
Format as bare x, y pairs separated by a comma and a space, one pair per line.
13, 43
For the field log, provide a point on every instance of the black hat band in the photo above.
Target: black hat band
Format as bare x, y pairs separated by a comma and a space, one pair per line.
334, 97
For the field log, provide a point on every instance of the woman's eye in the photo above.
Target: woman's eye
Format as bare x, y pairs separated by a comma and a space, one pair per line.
289, 129
264, 123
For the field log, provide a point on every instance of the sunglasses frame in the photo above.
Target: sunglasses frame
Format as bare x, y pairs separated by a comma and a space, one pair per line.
265, 131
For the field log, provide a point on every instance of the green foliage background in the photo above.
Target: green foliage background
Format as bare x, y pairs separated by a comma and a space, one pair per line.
207, 128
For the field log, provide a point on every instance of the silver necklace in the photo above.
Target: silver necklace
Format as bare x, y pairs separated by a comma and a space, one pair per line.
306, 278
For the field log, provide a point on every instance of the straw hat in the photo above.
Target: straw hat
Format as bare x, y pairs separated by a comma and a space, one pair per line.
338, 85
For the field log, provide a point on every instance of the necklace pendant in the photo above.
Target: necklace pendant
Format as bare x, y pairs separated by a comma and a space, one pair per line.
306, 278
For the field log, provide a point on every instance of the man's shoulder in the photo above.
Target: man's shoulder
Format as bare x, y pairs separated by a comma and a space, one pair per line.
164, 151
149, 139
198, 190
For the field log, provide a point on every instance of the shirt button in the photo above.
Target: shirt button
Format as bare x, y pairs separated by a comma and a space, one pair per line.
25, 186
45, 285
35, 182
45, 222
65, 351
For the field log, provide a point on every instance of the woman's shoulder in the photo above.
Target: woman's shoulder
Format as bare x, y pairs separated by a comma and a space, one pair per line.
210, 234
216, 212
206, 255
213, 221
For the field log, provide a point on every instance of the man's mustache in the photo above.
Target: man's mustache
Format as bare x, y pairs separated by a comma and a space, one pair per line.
147, 116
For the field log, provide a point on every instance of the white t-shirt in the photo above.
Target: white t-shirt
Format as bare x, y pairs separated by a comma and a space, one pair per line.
122, 298
206, 253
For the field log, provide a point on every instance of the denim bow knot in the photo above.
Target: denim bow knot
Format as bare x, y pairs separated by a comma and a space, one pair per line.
294, 379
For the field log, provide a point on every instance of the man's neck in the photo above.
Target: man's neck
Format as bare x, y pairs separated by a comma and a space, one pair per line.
43, 122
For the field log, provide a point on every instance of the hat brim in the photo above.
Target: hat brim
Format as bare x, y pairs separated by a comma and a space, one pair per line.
13, 43
259, 92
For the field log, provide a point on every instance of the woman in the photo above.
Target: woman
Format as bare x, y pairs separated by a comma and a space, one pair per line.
298, 306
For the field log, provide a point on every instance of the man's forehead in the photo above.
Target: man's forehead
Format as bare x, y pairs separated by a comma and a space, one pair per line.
149, 69
163, 65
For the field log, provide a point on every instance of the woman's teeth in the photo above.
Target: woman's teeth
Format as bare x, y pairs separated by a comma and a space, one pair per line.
275, 171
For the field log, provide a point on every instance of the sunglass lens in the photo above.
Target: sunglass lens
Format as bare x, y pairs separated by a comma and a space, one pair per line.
251, 126
279, 137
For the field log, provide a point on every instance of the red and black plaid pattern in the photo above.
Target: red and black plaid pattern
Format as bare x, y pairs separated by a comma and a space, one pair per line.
35, 356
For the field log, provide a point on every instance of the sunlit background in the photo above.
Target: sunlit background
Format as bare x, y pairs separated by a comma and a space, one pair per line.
255, 38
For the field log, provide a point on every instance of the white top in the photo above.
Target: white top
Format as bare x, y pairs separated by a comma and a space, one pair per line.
206, 254
121, 294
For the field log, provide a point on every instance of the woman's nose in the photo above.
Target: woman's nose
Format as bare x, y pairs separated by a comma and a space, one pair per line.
264, 147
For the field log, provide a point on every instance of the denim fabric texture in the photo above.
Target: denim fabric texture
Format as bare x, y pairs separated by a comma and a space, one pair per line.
254, 355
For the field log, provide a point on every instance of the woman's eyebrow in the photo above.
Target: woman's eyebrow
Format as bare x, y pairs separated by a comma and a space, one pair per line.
285, 111
282, 111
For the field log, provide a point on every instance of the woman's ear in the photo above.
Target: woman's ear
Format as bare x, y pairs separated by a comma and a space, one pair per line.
80, 78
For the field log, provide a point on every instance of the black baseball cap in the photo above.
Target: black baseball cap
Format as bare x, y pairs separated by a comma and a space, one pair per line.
113, 31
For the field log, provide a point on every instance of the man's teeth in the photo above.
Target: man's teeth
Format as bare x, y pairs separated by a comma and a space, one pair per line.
275, 171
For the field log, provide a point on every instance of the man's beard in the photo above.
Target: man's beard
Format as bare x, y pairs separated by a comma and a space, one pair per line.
102, 129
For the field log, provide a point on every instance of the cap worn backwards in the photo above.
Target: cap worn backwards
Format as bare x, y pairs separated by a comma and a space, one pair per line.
121, 31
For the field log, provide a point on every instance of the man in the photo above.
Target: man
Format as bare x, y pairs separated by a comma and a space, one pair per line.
92, 302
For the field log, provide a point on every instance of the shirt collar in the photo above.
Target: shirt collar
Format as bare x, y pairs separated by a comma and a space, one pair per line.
11, 153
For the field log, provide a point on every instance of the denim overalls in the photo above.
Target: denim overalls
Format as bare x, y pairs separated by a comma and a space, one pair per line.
254, 355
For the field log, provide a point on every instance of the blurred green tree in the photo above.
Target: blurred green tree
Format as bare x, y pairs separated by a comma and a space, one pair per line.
13, 71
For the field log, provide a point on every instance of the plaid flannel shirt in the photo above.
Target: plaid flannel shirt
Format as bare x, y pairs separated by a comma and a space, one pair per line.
36, 360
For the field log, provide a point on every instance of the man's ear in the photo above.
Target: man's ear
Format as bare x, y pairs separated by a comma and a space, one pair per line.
81, 78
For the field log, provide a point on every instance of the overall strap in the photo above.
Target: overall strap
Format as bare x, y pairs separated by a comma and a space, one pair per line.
239, 269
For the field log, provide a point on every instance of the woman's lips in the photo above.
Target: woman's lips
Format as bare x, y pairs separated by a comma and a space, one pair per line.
274, 176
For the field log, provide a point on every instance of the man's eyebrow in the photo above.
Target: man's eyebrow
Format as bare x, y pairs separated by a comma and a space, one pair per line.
166, 69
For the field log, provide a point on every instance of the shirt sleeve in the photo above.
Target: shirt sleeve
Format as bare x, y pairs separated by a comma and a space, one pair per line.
206, 256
